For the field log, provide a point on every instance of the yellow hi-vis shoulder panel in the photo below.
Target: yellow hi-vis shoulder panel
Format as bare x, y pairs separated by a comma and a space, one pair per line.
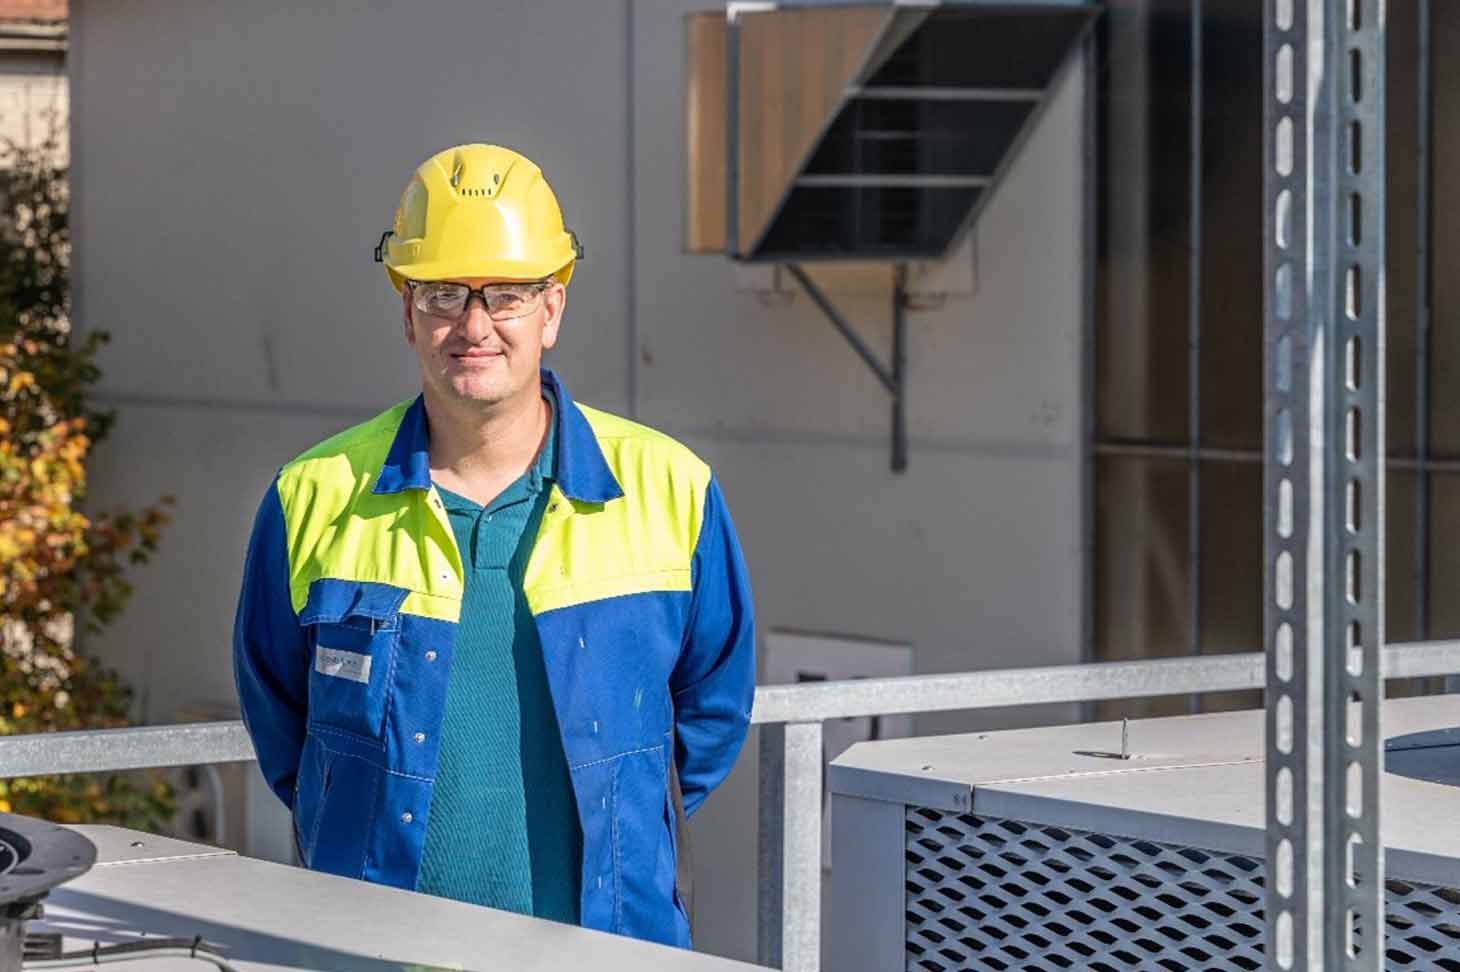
338, 528
640, 543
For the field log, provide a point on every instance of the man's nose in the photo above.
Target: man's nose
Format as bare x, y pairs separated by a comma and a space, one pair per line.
475, 324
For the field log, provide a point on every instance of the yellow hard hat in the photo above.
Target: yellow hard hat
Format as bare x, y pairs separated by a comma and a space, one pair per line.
478, 211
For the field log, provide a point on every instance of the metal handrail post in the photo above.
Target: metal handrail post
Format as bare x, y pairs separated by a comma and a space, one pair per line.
801, 853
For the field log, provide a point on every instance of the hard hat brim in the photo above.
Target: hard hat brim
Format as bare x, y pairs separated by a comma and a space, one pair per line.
524, 270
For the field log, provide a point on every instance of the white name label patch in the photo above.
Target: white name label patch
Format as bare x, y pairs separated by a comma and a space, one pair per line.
342, 664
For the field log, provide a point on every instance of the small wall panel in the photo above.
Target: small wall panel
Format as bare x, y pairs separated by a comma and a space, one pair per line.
795, 66
704, 125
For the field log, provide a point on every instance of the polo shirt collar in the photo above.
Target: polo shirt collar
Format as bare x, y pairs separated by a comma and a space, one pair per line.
582, 473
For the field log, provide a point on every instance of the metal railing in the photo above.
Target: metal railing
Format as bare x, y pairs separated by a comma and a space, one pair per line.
790, 717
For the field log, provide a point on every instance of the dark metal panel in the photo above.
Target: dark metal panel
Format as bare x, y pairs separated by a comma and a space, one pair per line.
1445, 555
866, 222
1400, 589
1231, 268
1141, 609
1402, 227
1143, 237
1444, 411
1231, 591
969, 47
920, 136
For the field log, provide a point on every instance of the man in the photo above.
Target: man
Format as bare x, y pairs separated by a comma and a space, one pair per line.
488, 638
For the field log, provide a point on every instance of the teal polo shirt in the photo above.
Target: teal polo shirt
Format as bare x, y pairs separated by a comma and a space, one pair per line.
503, 827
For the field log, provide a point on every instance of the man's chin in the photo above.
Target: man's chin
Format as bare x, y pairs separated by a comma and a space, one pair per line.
476, 391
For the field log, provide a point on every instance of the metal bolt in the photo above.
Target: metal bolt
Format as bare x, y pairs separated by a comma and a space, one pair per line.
407, 817
431, 655
419, 737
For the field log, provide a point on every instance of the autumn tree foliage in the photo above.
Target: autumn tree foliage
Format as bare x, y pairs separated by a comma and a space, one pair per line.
63, 571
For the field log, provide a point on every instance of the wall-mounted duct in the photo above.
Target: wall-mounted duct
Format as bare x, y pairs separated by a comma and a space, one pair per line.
874, 131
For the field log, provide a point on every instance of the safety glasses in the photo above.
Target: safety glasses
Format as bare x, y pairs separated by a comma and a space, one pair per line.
503, 301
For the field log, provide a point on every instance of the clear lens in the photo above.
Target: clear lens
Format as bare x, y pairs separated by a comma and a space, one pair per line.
449, 300
508, 301
441, 299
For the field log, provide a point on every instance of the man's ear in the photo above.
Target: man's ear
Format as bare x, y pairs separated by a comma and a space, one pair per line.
554, 301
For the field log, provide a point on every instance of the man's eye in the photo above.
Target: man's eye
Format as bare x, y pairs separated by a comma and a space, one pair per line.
443, 298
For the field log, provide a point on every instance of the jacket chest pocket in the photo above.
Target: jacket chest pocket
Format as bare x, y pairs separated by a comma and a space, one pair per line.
354, 629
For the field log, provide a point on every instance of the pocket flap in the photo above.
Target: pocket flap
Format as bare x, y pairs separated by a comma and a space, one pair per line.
331, 600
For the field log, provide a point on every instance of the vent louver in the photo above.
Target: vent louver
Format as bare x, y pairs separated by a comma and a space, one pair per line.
866, 132
991, 894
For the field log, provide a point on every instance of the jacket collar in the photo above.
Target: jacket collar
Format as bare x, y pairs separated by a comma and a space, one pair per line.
582, 472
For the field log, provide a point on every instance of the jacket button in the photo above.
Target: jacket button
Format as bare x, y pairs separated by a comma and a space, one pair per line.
431, 656
407, 817
419, 737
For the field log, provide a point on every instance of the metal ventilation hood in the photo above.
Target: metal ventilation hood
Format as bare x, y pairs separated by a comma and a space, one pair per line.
867, 132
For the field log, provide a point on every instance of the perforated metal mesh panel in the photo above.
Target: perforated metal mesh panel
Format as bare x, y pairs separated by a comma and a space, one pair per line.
992, 894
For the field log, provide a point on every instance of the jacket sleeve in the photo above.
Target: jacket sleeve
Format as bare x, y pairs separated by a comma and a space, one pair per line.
713, 682
270, 652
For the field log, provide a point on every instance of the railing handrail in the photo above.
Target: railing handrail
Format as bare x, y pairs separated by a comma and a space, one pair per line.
191, 744
1090, 682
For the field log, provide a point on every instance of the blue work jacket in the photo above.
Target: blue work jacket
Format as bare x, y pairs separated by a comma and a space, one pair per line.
346, 627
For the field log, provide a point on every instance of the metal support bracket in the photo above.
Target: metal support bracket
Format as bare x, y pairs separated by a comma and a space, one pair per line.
1324, 483
894, 379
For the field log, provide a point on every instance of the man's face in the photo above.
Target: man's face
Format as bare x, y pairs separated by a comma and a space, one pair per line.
471, 357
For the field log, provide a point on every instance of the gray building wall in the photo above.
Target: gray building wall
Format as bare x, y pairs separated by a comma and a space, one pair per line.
234, 166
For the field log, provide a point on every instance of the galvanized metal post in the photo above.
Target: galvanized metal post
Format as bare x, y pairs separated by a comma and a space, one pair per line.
801, 854
1324, 487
